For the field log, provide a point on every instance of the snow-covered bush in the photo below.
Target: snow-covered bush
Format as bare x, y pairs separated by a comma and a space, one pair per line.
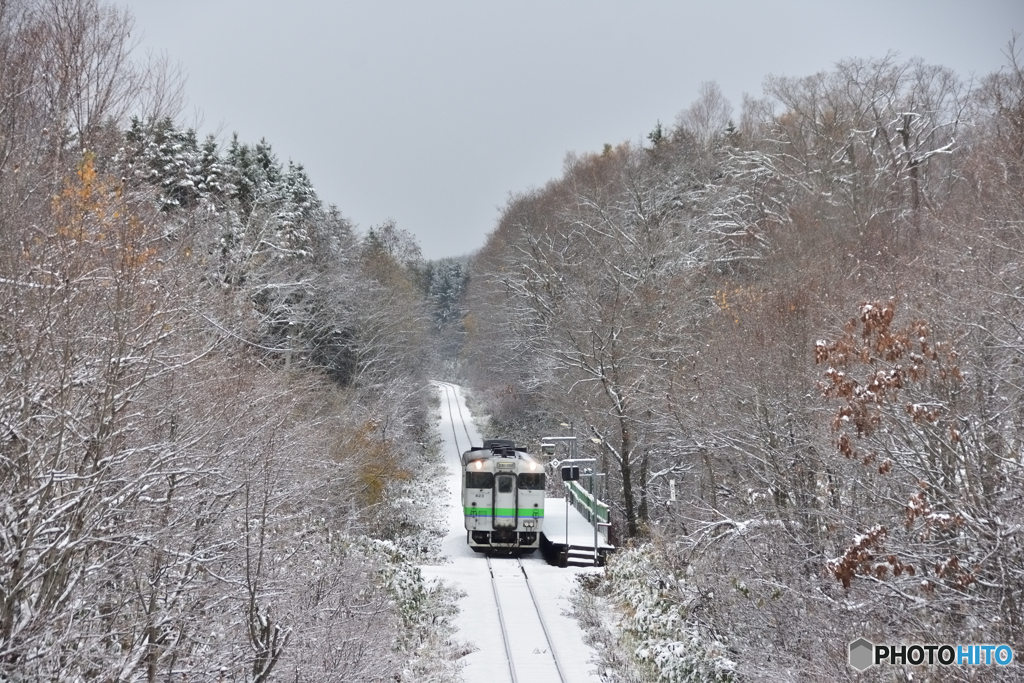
654, 605
425, 611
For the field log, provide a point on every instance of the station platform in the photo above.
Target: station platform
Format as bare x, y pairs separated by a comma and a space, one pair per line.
575, 548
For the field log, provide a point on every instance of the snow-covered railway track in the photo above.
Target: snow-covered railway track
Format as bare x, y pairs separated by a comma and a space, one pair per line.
458, 420
519, 645
531, 656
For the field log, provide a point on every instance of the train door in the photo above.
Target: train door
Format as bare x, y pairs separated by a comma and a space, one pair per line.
506, 501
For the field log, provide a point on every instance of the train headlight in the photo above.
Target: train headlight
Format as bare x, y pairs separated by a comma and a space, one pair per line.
479, 464
533, 466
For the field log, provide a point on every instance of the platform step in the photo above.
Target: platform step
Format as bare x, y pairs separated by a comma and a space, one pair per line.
581, 556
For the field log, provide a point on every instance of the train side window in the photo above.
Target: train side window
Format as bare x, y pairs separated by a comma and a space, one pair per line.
479, 480
531, 482
505, 483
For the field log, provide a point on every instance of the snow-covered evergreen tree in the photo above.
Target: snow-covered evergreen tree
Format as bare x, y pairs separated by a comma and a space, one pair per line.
168, 158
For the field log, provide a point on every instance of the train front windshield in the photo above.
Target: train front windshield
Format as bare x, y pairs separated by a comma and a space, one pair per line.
531, 482
479, 480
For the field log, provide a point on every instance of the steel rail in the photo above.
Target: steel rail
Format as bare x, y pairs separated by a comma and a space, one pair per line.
451, 393
501, 622
543, 624
465, 425
540, 618
448, 391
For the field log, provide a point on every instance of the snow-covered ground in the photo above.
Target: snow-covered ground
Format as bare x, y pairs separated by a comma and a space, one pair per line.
477, 623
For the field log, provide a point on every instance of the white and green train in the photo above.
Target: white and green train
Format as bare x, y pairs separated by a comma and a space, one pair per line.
503, 498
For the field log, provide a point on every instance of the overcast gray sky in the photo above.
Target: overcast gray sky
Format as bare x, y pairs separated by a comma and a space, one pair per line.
433, 112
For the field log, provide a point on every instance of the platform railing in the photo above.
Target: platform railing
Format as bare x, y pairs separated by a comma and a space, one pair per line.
588, 506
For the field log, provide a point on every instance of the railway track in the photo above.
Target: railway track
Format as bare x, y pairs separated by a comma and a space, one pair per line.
531, 656
524, 635
455, 407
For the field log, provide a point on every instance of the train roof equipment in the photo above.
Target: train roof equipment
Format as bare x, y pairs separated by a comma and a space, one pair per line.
499, 448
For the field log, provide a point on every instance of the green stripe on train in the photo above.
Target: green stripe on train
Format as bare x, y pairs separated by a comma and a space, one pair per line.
504, 512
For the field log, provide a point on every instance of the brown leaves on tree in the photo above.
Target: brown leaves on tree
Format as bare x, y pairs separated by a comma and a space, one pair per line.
869, 367
956, 575
932, 522
895, 383
867, 555
865, 558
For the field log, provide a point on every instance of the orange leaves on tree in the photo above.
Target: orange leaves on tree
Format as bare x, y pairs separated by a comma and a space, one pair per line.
374, 461
734, 301
94, 222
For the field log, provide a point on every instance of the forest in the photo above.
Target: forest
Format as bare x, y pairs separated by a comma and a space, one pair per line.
213, 396
791, 334
807, 319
